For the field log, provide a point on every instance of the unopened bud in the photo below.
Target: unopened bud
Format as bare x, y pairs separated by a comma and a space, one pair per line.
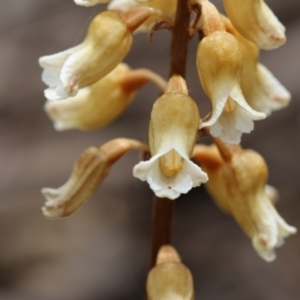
169, 279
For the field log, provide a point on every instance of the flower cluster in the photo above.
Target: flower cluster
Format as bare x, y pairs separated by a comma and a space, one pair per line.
89, 86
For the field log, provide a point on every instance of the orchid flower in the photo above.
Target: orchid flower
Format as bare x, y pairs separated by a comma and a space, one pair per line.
172, 135
219, 62
237, 182
100, 52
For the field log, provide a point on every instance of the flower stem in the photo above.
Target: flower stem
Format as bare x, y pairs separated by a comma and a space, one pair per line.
180, 39
163, 207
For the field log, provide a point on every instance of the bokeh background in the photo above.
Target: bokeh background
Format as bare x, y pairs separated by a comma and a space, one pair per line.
102, 252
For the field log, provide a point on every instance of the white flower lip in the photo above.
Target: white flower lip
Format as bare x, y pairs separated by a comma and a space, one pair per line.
230, 126
55, 74
190, 176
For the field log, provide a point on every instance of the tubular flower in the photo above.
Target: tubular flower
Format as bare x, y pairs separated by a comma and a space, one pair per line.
219, 62
238, 185
99, 104
172, 135
166, 6
261, 89
107, 42
254, 20
89, 171
170, 279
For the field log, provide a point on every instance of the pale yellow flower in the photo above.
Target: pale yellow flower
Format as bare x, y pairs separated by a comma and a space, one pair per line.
101, 51
219, 62
237, 182
172, 134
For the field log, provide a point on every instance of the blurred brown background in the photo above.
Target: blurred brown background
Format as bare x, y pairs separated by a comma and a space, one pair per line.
101, 253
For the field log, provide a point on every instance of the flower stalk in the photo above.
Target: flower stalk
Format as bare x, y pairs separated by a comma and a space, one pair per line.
163, 207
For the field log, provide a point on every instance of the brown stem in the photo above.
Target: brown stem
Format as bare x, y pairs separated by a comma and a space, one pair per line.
163, 208
161, 226
180, 39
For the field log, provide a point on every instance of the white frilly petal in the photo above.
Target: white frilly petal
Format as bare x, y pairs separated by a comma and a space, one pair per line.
230, 126
52, 76
190, 176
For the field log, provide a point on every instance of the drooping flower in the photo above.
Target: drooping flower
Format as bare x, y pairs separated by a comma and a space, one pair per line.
170, 279
107, 42
237, 182
89, 171
259, 86
219, 62
99, 104
172, 135
255, 20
